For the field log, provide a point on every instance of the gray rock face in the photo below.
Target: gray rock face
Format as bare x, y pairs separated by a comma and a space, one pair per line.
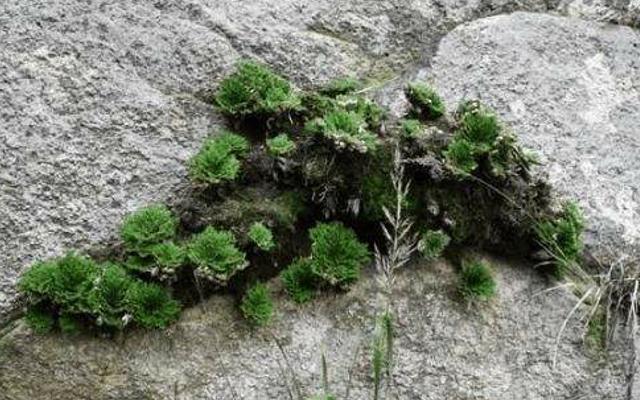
443, 350
626, 12
101, 103
571, 91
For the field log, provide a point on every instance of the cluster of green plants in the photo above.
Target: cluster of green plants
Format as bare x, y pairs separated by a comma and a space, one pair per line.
476, 281
481, 142
561, 236
337, 256
68, 291
304, 179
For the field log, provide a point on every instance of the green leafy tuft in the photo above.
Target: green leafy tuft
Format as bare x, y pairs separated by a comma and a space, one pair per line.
433, 243
217, 161
299, 280
215, 255
261, 236
280, 145
476, 281
147, 227
254, 89
425, 101
336, 254
257, 306
151, 305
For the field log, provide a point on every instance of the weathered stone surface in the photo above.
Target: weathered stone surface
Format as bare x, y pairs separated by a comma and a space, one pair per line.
100, 102
443, 349
571, 91
625, 12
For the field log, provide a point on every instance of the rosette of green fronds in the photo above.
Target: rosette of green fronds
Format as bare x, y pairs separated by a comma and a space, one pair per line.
65, 282
215, 255
336, 253
261, 236
461, 156
147, 227
40, 320
476, 281
151, 305
561, 237
299, 280
411, 127
108, 297
425, 102
280, 146
255, 89
347, 130
167, 257
432, 243
481, 128
218, 160
257, 306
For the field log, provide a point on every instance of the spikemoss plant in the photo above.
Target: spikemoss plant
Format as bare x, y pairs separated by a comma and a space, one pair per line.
151, 305
299, 280
347, 130
261, 236
562, 236
253, 89
425, 101
257, 306
336, 254
108, 298
476, 281
64, 281
432, 243
215, 255
218, 159
280, 146
147, 227
461, 156
40, 320
411, 127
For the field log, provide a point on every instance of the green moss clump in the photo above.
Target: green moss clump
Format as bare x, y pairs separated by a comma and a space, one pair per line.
347, 130
562, 236
218, 159
336, 254
299, 280
476, 281
167, 257
257, 306
39, 320
280, 146
425, 101
411, 127
215, 255
432, 243
108, 298
261, 236
480, 128
147, 227
255, 89
151, 305
65, 281
461, 156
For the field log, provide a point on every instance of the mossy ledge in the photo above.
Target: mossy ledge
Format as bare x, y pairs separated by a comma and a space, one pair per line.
297, 186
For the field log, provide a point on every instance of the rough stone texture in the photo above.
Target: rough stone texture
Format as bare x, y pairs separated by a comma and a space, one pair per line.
101, 102
443, 349
625, 12
571, 91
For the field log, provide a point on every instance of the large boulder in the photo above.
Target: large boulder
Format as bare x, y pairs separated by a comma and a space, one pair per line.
443, 349
101, 103
570, 89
